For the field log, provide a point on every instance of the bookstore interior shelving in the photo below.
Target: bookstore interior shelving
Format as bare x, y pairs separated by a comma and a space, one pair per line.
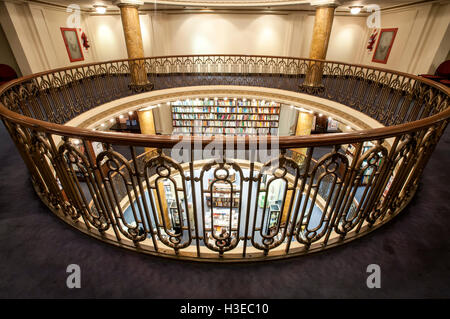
225, 116
209, 116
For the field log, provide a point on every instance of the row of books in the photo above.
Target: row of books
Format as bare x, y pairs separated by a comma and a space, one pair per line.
225, 117
222, 109
224, 123
222, 102
209, 131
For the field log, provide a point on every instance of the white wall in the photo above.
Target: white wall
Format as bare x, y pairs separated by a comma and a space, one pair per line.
421, 31
108, 40
33, 32
347, 36
227, 33
261, 34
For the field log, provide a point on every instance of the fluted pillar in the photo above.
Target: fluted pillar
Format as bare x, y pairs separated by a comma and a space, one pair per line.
323, 23
133, 39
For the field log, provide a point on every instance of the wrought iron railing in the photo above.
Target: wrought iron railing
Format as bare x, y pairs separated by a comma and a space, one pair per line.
321, 202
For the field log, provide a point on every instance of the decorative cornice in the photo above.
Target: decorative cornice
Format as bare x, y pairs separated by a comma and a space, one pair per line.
128, 3
325, 3
231, 3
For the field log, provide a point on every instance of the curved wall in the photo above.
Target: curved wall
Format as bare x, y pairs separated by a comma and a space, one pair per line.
101, 114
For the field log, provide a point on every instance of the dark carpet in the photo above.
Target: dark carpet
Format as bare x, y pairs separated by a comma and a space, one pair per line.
413, 252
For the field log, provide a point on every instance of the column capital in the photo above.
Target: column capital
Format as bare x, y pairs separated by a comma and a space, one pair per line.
325, 3
128, 3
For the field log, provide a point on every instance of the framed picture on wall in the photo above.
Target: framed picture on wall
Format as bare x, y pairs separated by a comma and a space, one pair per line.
72, 43
384, 45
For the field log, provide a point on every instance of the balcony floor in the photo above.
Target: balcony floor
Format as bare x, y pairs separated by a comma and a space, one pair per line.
413, 251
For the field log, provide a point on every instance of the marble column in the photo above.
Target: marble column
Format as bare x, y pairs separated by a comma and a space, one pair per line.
323, 23
147, 125
133, 39
304, 126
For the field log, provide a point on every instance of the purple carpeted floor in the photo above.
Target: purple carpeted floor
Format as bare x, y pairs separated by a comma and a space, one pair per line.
413, 252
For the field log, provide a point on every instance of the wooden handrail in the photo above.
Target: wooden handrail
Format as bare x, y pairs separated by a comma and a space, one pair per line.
169, 141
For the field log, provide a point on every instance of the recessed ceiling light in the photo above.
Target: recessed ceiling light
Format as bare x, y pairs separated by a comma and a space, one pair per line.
355, 9
101, 9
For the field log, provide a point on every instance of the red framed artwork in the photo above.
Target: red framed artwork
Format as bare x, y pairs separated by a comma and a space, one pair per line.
384, 45
72, 43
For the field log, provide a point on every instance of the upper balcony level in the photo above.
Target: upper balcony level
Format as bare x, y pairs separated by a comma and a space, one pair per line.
225, 198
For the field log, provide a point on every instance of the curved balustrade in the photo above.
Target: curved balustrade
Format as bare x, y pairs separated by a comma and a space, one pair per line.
324, 197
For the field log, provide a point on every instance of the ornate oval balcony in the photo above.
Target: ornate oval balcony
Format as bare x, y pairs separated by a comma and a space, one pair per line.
316, 189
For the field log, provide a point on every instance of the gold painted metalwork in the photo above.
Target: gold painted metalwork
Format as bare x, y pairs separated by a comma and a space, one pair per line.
354, 194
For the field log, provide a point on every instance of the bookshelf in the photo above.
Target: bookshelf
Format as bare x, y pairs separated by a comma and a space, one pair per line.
223, 195
350, 153
225, 116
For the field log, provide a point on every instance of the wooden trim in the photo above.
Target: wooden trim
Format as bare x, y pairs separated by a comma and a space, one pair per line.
158, 141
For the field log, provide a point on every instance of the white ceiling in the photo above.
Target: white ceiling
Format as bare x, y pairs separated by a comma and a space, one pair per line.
169, 5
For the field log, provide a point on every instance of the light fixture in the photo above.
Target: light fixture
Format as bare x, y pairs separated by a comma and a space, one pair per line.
150, 107
130, 113
355, 9
111, 120
168, 103
120, 116
348, 127
102, 125
320, 114
302, 109
99, 8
